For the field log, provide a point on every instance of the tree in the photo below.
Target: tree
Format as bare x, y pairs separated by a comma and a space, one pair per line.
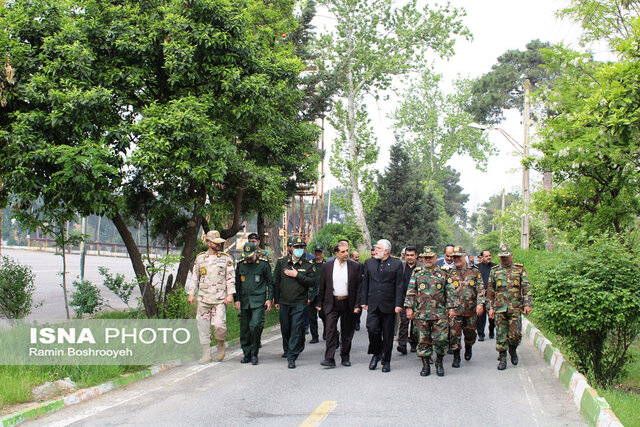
373, 42
405, 214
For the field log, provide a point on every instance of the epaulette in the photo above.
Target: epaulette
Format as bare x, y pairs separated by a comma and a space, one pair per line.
282, 257
518, 264
417, 269
495, 266
201, 253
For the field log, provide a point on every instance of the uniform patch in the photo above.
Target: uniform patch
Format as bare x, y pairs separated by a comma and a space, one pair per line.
203, 271
499, 282
412, 281
229, 263
242, 278
472, 283
422, 286
456, 284
515, 282
257, 278
449, 280
439, 286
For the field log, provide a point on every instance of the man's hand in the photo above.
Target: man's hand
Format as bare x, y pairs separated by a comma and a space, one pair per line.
365, 307
398, 309
452, 314
479, 310
277, 306
267, 304
291, 273
492, 314
409, 313
527, 310
191, 299
237, 305
229, 299
356, 310
308, 301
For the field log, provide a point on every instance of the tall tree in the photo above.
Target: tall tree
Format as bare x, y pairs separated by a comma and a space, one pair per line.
374, 41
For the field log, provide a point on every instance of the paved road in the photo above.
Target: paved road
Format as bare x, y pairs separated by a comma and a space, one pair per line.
269, 394
47, 267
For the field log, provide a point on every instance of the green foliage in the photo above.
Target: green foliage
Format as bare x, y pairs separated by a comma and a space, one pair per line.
176, 306
86, 299
329, 235
16, 289
591, 299
603, 19
118, 285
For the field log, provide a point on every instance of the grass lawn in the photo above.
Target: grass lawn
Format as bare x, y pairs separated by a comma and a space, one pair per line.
16, 382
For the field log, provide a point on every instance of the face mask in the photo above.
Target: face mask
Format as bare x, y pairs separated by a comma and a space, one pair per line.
297, 252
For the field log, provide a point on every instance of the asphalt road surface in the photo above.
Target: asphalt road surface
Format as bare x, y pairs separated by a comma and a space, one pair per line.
269, 394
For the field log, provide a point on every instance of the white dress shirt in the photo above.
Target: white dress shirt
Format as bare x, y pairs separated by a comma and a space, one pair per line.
340, 279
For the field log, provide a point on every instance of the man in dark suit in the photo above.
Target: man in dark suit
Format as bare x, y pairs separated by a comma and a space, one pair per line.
339, 296
382, 297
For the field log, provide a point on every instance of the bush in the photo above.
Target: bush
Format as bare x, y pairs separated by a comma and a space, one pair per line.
329, 235
591, 299
16, 289
86, 299
117, 285
176, 305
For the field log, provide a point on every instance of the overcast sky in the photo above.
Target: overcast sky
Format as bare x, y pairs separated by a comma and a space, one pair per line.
497, 26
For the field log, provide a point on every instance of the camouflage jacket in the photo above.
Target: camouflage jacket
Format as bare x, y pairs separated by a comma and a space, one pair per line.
427, 293
508, 288
213, 276
466, 290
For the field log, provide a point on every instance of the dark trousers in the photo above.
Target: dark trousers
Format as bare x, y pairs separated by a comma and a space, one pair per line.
380, 327
251, 329
313, 319
482, 321
342, 312
406, 330
292, 328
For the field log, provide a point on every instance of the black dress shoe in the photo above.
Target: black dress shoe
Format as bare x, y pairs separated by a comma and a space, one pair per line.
346, 363
314, 340
260, 344
386, 366
402, 349
254, 360
246, 359
374, 362
292, 364
480, 337
413, 348
491, 335
284, 355
328, 363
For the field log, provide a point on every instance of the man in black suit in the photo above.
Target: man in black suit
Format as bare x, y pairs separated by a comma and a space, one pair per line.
339, 296
382, 297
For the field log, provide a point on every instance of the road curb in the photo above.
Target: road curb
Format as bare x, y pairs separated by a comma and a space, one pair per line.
595, 409
43, 408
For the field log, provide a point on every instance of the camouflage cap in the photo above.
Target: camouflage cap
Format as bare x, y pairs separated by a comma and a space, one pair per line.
248, 250
430, 251
458, 251
297, 241
214, 236
318, 247
505, 250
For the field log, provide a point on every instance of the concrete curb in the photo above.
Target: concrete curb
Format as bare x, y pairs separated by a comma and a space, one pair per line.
595, 409
89, 393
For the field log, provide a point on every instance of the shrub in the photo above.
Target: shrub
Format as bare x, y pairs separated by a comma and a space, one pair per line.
329, 235
176, 305
591, 299
16, 289
86, 299
117, 284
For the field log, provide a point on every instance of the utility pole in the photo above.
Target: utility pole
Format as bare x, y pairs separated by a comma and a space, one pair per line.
83, 247
524, 236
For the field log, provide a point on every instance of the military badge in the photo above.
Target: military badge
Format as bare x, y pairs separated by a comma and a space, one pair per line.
449, 280
257, 278
499, 282
203, 271
472, 283
515, 282
242, 278
456, 284
422, 286
229, 263
439, 286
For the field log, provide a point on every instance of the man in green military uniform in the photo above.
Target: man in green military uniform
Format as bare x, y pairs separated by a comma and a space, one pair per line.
262, 255
427, 306
213, 276
508, 295
293, 276
464, 303
318, 251
254, 288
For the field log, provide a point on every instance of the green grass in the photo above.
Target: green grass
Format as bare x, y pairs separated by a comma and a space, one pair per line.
624, 399
16, 382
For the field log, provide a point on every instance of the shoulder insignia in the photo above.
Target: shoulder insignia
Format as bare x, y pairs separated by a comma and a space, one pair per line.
518, 264
257, 261
282, 257
417, 269
495, 266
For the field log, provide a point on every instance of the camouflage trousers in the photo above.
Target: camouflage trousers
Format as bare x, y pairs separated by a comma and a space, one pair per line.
432, 335
458, 325
211, 315
508, 330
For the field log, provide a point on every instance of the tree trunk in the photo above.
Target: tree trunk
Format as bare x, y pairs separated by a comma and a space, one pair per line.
64, 280
261, 229
148, 295
190, 238
274, 238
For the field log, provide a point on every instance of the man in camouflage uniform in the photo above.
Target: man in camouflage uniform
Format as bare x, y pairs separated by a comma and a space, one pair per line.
213, 275
254, 288
464, 302
426, 305
508, 295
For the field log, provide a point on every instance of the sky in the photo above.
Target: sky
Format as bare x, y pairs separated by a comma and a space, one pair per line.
497, 26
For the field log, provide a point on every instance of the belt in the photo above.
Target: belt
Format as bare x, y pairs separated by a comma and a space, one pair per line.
341, 298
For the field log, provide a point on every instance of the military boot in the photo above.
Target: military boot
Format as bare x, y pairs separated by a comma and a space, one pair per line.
502, 365
206, 354
467, 352
513, 354
456, 359
439, 367
221, 350
426, 368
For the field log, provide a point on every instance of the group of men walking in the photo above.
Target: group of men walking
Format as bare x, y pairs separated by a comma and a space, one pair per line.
436, 304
